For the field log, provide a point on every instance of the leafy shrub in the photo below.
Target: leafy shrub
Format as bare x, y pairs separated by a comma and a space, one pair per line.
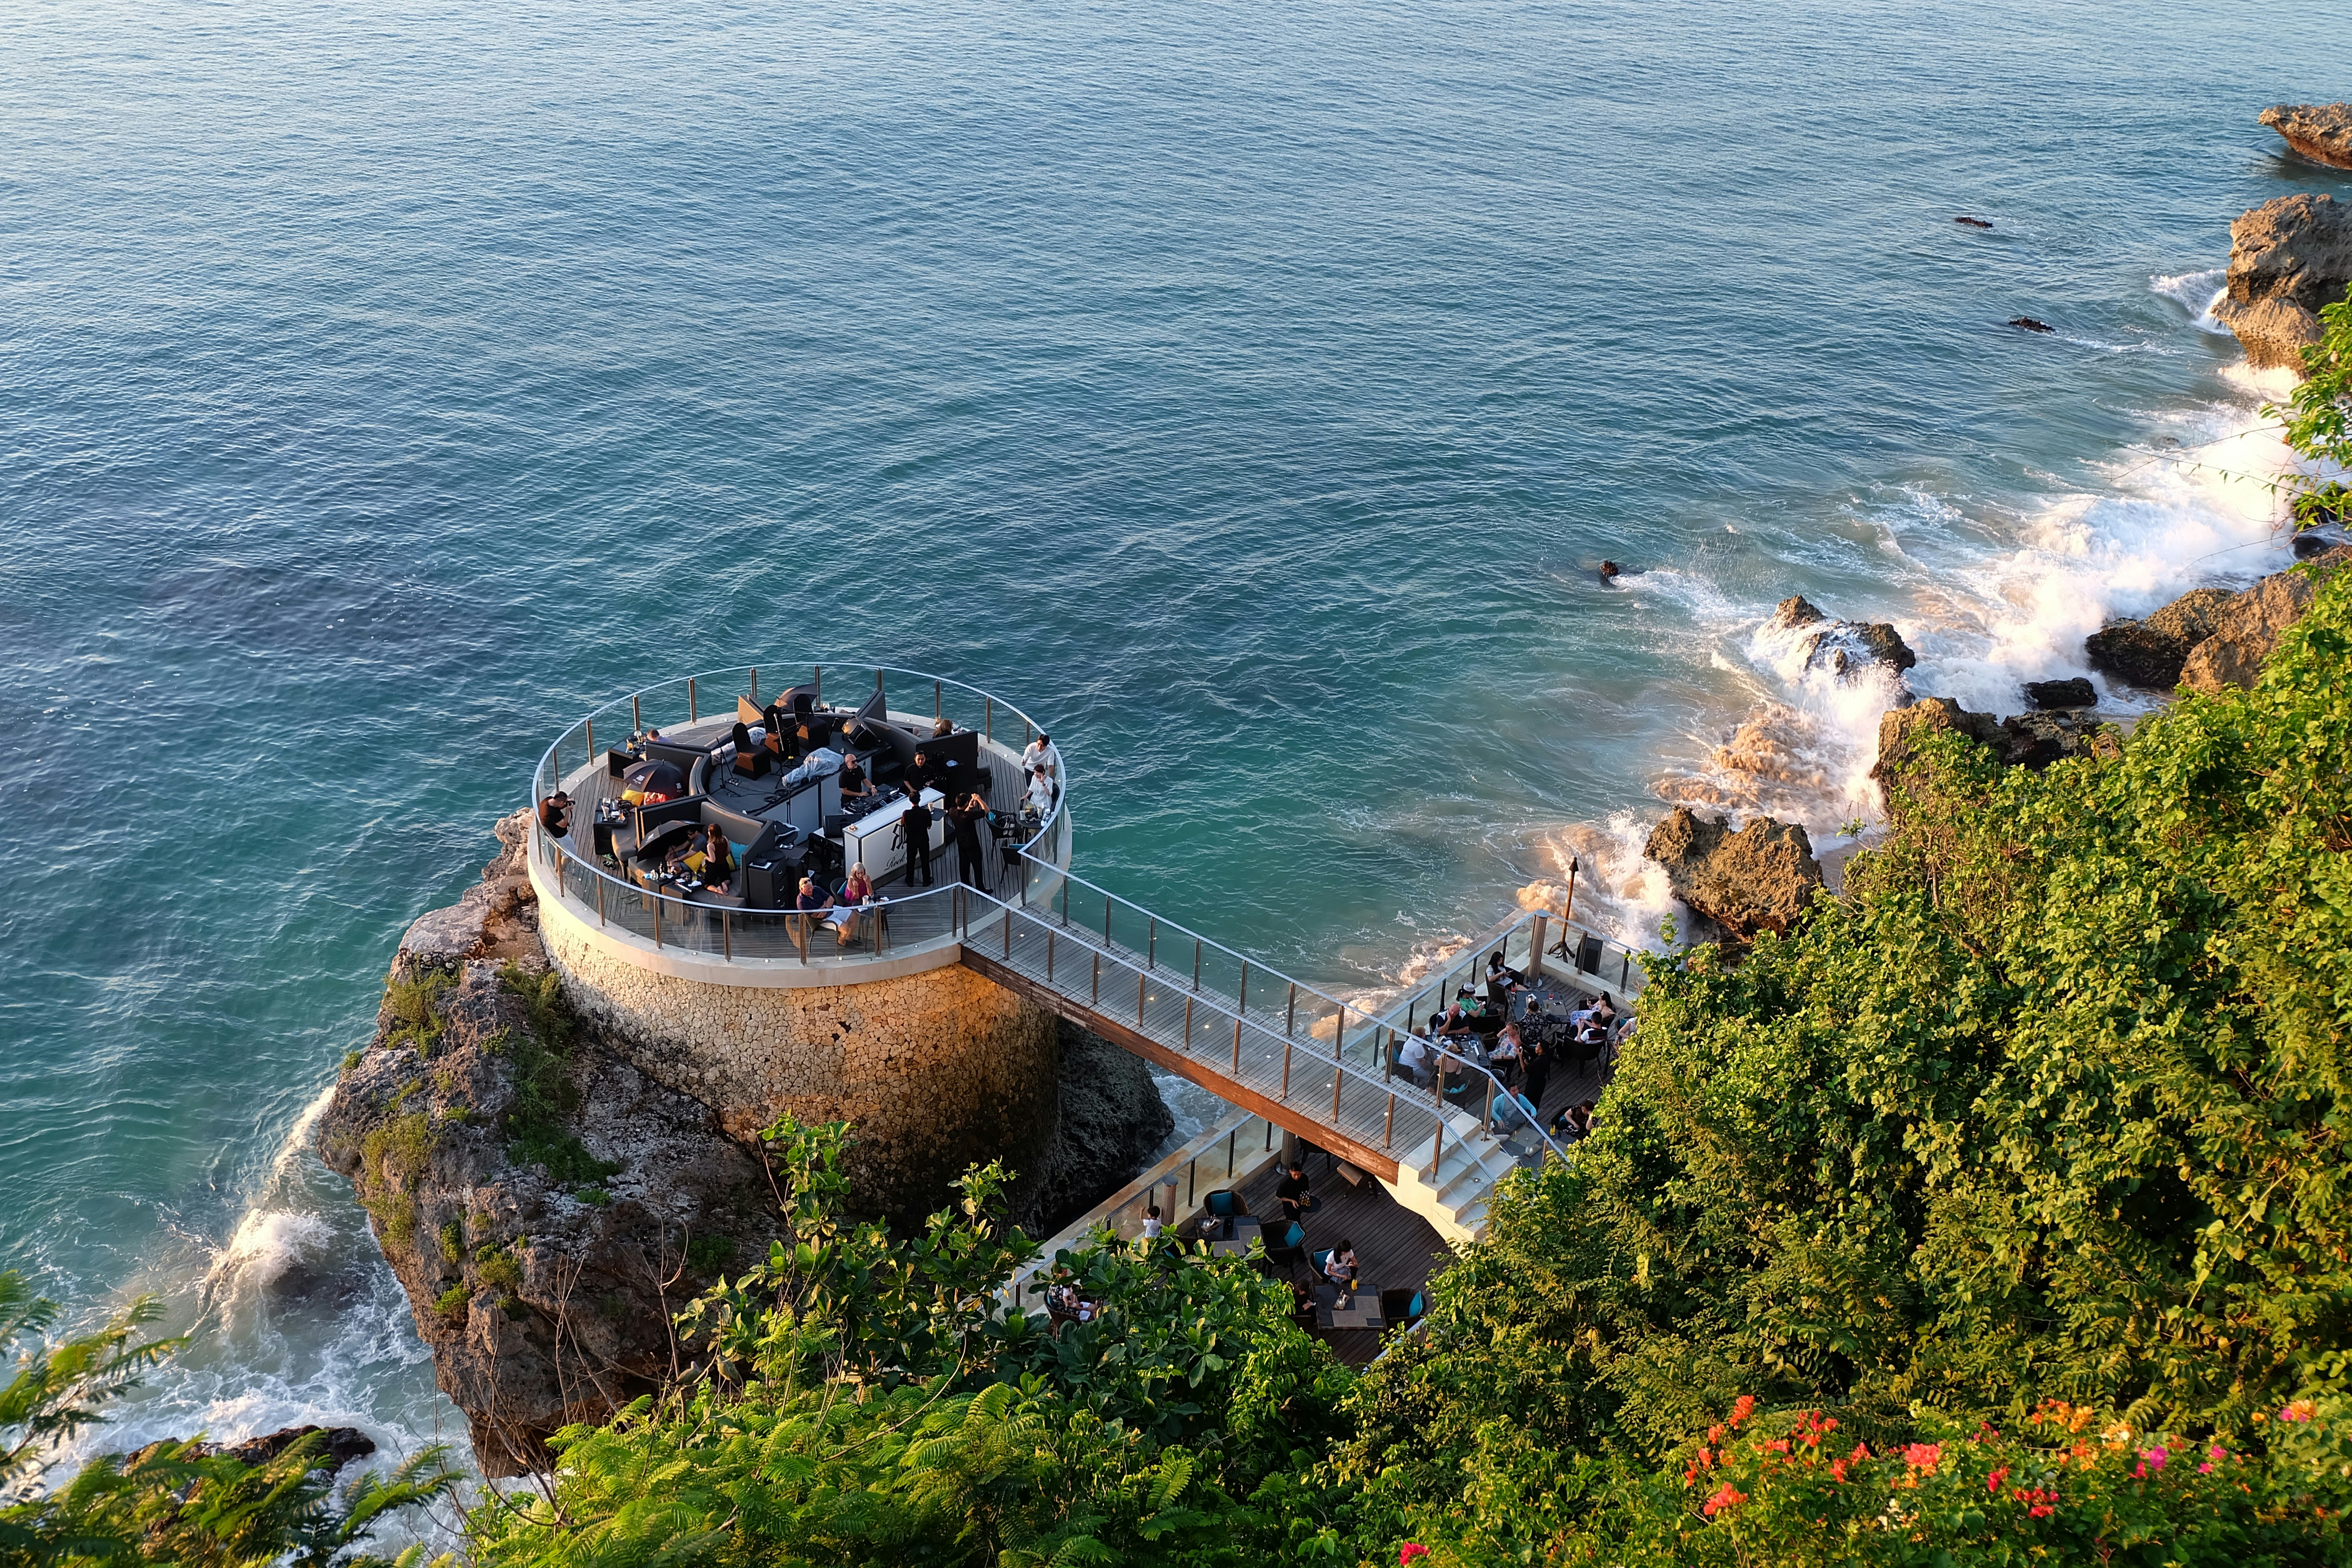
414, 1020
453, 1242
454, 1300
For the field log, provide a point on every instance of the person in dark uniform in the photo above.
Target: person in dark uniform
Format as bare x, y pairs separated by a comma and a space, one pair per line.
1290, 1194
916, 826
965, 820
920, 774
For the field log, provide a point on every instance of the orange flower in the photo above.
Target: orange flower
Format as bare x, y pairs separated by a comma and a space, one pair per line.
1729, 1497
1742, 1408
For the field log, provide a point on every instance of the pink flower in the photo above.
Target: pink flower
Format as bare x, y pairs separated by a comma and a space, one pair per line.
2153, 1457
1924, 1456
1729, 1497
1408, 1552
1993, 1481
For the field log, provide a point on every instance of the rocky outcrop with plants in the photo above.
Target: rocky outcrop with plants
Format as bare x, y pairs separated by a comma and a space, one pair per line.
2290, 258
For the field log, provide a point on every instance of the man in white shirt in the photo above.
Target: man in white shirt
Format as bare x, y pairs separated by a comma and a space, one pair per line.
1413, 1060
1040, 754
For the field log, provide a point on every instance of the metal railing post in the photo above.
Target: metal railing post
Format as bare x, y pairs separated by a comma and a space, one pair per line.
1338, 1078
1387, 1132
1286, 1067
555, 752
1097, 998
1008, 935
1187, 1023
600, 898
816, 683
1141, 982
755, 685
1196, 964
988, 720
693, 706
726, 930
1244, 997
1535, 948
591, 725
1151, 945
636, 716
1290, 1019
1237, 1047
939, 701
1049, 958
657, 936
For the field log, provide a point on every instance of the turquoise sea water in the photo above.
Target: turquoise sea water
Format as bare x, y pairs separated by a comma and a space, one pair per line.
1249, 392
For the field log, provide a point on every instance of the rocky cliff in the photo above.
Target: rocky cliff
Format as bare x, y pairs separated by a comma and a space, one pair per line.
2209, 637
548, 1206
2320, 132
2289, 259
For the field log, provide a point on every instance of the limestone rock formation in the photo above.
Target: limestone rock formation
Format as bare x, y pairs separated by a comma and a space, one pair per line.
548, 1203
1842, 647
2320, 132
2247, 625
546, 1207
2288, 259
2075, 693
2029, 740
1900, 728
1108, 1119
497, 918
2151, 652
1761, 878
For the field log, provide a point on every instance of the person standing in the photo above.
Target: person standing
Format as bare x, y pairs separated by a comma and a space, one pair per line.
965, 820
1536, 1057
916, 826
1290, 1194
1039, 753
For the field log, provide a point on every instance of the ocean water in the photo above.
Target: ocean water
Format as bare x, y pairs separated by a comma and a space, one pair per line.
1250, 391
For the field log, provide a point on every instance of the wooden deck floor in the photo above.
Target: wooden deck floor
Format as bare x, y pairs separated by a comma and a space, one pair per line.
1395, 1248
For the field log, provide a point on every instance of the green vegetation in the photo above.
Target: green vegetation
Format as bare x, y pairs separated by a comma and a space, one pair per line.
535, 1124
415, 1021
2318, 422
171, 1503
499, 1266
1996, 1213
453, 1242
708, 1254
454, 1300
391, 1159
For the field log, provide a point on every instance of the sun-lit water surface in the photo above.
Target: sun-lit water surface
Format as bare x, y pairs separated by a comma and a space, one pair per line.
1251, 393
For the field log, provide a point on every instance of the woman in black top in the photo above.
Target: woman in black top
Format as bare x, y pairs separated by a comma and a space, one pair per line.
718, 871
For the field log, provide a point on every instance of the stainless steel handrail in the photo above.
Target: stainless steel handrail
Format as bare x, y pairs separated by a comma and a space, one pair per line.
1215, 1003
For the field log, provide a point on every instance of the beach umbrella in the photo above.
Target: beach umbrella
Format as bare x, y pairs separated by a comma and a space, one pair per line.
651, 781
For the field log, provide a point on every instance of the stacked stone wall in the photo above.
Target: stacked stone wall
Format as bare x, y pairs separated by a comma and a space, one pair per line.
938, 1070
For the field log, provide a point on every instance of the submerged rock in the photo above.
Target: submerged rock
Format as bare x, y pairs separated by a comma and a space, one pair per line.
1761, 878
344, 1445
2289, 259
2320, 132
2075, 693
1842, 647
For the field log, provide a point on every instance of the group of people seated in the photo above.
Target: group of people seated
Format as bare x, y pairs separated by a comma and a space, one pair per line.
1470, 1033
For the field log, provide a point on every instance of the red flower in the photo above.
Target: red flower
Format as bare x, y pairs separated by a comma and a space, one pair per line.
1993, 1481
1742, 1408
1729, 1497
1924, 1456
1409, 1551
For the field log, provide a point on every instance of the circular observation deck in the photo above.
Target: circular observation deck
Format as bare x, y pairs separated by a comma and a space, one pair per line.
763, 758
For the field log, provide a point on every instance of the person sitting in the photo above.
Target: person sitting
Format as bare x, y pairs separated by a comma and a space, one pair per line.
1454, 1021
1513, 1111
855, 894
714, 863
1414, 1060
1605, 1010
854, 785
942, 727
813, 904
1339, 1263
1290, 1194
1041, 793
1509, 1058
1497, 970
555, 813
